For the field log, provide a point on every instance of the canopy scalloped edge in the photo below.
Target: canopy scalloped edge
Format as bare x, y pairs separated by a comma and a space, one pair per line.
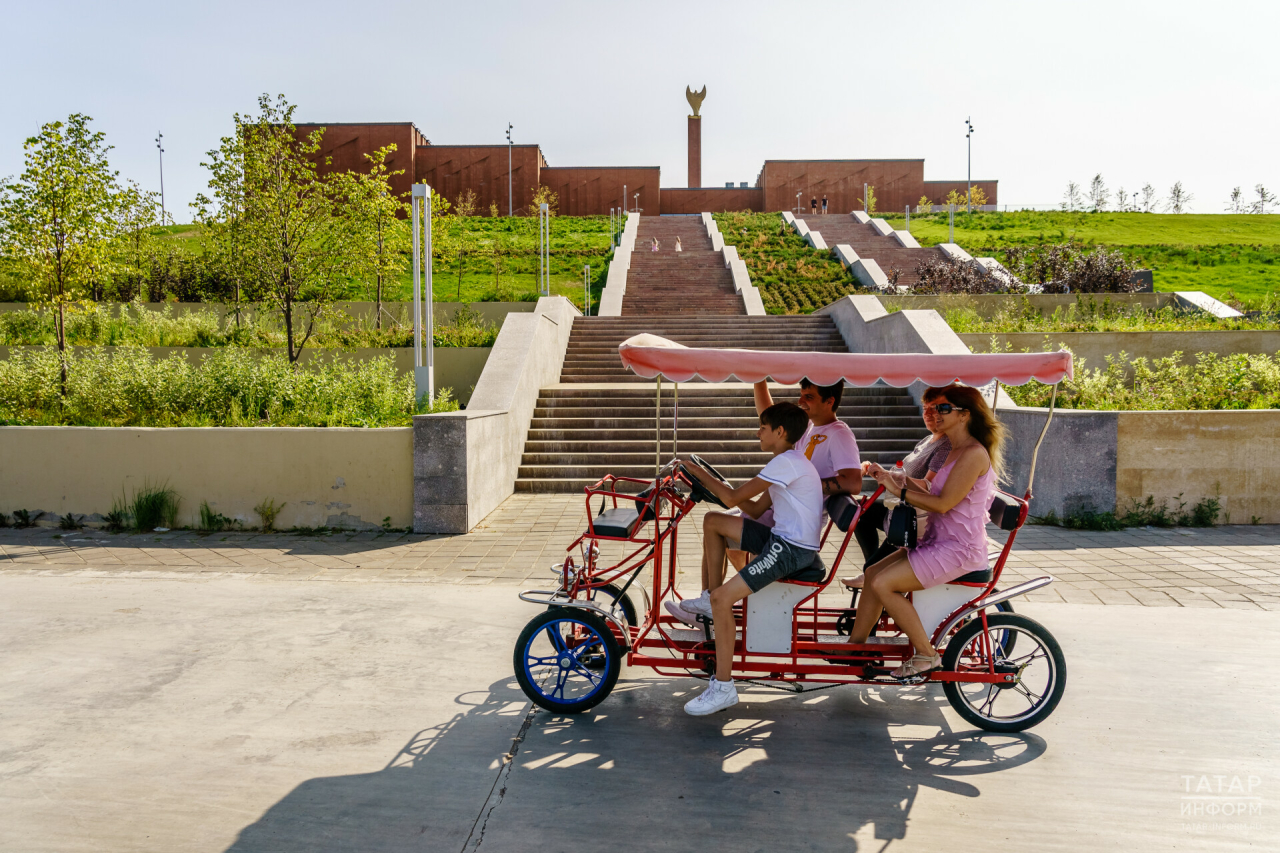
650, 355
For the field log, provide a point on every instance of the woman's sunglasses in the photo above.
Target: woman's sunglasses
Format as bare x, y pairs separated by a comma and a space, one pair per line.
946, 408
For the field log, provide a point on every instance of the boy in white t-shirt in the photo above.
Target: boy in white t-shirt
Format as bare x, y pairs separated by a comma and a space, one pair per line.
790, 486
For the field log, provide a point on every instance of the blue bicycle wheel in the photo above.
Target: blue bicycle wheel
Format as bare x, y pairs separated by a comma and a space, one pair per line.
567, 660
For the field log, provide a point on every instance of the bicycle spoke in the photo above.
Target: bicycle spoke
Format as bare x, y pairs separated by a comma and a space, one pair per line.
558, 691
553, 635
1033, 698
992, 693
535, 661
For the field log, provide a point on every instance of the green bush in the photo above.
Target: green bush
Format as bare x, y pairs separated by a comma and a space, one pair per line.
1090, 314
1141, 514
1235, 381
231, 387
792, 277
154, 506
136, 325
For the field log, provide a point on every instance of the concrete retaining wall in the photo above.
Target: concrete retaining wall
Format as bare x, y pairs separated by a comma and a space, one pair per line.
1195, 454
465, 463
335, 477
615, 285
458, 368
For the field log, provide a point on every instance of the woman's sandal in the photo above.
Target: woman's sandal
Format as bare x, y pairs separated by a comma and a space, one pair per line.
918, 665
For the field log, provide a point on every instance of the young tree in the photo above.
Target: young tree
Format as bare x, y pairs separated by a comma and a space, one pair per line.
466, 205
1178, 198
1122, 200
382, 240
297, 244
58, 217
1264, 198
541, 196
924, 205
1098, 193
1236, 204
136, 212
1148, 198
1071, 198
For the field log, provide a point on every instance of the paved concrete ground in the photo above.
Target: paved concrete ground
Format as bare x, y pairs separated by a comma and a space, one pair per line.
1236, 567
206, 711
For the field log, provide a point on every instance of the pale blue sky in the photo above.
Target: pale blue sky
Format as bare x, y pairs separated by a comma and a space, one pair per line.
1137, 91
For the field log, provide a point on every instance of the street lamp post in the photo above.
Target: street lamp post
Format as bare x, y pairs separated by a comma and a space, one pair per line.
509, 202
636, 196
969, 178
423, 325
798, 204
160, 148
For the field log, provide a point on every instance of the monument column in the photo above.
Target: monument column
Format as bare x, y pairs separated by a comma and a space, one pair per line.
695, 151
695, 136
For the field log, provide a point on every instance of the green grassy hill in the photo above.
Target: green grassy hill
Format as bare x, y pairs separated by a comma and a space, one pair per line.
1221, 254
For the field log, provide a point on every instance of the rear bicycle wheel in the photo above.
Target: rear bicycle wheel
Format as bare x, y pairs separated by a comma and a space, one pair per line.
1037, 676
567, 660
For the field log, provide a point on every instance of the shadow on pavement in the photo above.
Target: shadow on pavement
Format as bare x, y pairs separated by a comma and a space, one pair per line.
838, 769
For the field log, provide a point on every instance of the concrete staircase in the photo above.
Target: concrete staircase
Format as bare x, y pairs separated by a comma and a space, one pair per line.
601, 418
694, 281
885, 251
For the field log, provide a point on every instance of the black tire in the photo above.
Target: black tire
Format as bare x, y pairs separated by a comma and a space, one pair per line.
611, 593
1043, 663
582, 667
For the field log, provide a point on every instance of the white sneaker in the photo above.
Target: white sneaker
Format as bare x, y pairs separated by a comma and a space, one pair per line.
718, 696
674, 608
700, 606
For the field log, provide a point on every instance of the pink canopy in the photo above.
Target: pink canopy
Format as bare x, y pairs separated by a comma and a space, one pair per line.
650, 356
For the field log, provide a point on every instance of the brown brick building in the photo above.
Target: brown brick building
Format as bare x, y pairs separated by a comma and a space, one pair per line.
451, 170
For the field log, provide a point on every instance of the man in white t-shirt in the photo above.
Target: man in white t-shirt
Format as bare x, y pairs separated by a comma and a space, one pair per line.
790, 486
827, 442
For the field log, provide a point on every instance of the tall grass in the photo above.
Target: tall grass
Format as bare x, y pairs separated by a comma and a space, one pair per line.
232, 387
136, 325
1089, 314
1214, 381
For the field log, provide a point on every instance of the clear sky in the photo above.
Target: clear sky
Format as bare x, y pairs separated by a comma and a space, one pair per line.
1150, 91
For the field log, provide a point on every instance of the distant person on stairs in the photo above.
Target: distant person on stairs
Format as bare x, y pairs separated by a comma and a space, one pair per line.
827, 442
813, 206
824, 205
653, 247
679, 248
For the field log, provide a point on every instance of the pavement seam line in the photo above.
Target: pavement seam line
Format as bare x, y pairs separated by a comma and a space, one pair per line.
504, 772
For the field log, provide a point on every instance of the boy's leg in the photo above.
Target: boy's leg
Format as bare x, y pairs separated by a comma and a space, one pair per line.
717, 529
722, 600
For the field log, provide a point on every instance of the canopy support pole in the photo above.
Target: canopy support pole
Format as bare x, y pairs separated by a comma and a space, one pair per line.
657, 410
1034, 453
675, 422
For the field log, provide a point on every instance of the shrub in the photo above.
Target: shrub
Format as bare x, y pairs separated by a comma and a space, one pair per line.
71, 521
231, 387
951, 276
154, 506
213, 521
1150, 514
1064, 268
1088, 314
267, 512
23, 518
1214, 381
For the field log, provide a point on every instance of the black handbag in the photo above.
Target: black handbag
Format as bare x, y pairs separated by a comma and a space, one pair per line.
902, 526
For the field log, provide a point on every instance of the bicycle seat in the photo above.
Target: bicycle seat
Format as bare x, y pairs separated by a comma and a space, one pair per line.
618, 523
1005, 511
812, 573
980, 576
841, 509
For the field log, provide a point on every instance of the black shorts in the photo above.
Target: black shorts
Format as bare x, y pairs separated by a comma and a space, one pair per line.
777, 559
754, 535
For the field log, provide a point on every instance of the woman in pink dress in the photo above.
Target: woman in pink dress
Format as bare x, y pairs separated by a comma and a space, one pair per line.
955, 540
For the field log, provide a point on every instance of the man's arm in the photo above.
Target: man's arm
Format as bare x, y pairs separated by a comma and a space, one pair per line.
731, 497
763, 398
847, 480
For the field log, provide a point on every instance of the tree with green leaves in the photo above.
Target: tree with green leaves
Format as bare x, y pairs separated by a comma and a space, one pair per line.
381, 237
136, 213
58, 218
295, 241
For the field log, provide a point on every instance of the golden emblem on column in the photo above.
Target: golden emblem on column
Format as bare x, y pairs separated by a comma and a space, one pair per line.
695, 98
